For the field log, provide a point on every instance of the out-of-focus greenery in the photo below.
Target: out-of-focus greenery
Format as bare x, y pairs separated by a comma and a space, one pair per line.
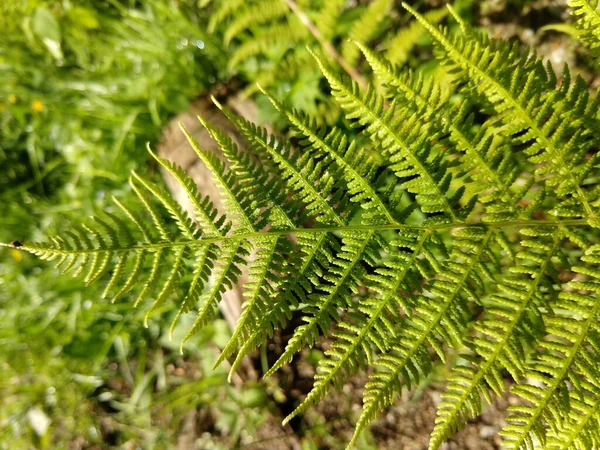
83, 85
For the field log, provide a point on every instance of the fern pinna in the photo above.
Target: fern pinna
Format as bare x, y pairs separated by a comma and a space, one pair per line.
460, 223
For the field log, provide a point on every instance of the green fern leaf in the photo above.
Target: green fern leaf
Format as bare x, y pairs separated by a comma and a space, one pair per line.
405, 142
408, 358
533, 111
588, 13
399, 47
513, 319
569, 351
364, 29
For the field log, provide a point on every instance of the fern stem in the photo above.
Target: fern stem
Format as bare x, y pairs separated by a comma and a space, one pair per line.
36, 248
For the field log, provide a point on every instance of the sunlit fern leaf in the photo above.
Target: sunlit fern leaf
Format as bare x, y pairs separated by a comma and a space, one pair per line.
437, 318
269, 262
588, 21
580, 429
568, 355
256, 180
316, 256
170, 283
278, 312
406, 142
512, 319
358, 166
483, 157
246, 214
204, 255
225, 273
264, 280
305, 177
547, 120
339, 284
183, 221
374, 325
137, 268
206, 213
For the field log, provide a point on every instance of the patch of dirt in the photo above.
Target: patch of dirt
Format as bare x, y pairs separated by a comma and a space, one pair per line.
405, 426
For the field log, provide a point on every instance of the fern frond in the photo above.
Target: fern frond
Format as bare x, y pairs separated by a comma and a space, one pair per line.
261, 287
437, 318
256, 179
204, 255
225, 273
205, 211
399, 47
374, 321
254, 15
588, 13
240, 206
316, 256
306, 177
569, 354
346, 272
444, 224
483, 156
513, 318
580, 429
545, 119
358, 166
406, 142
183, 221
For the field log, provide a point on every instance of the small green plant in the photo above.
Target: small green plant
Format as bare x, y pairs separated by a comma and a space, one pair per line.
460, 220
